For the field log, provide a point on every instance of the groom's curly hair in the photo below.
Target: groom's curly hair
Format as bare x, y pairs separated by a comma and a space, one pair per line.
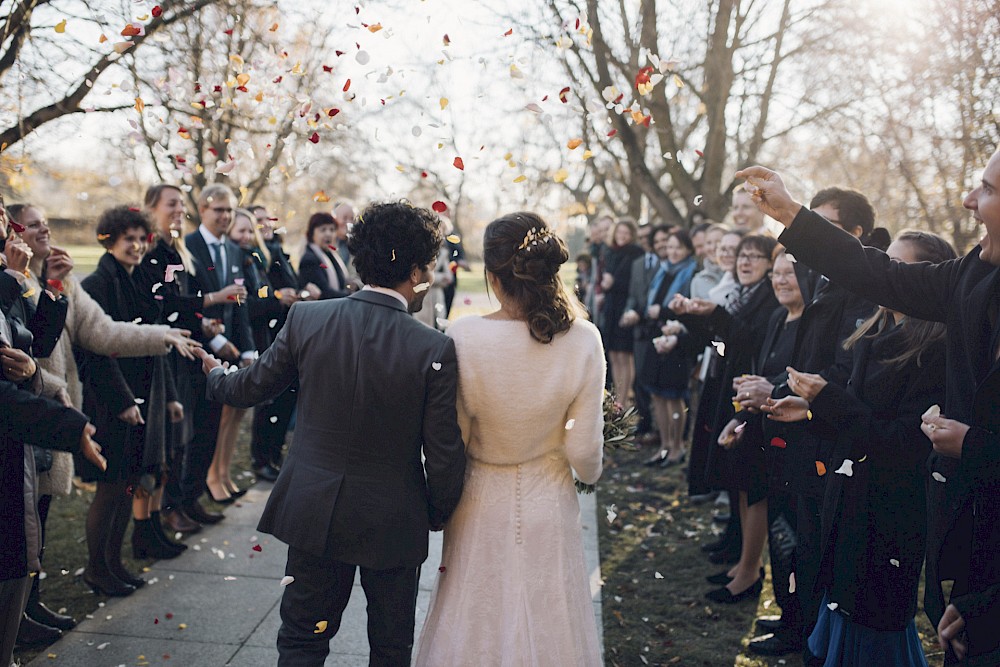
389, 239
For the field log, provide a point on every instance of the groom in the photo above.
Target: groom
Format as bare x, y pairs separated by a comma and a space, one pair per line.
376, 387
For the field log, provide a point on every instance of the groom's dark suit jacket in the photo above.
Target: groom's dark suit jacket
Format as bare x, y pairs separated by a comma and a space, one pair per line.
375, 388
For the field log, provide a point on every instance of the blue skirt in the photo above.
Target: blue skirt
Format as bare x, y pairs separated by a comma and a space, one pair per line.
841, 643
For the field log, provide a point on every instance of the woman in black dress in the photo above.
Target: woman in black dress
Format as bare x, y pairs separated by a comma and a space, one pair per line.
321, 265
127, 400
618, 256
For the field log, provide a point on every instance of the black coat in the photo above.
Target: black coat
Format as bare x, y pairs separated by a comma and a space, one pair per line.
211, 278
963, 541
45, 320
743, 466
828, 319
378, 389
875, 521
264, 308
311, 271
280, 273
112, 385
26, 417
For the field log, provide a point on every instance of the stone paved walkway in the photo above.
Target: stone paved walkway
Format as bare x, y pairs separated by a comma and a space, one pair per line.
217, 604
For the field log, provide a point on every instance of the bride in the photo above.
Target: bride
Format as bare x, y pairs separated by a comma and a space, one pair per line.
512, 588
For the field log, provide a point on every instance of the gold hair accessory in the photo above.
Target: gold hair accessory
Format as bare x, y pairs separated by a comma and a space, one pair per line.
534, 237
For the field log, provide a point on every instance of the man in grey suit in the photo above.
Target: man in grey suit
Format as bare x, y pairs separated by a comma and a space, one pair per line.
376, 388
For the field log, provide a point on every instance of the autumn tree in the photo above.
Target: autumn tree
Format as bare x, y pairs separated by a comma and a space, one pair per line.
52, 55
688, 92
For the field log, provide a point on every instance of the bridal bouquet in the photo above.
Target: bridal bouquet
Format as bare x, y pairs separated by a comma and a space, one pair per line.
619, 431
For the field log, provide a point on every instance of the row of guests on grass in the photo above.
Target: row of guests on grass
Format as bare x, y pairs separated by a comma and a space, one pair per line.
117, 347
807, 412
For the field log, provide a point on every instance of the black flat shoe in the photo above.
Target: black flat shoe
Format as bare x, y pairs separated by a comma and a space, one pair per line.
656, 459
670, 463
723, 596
721, 579
201, 515
108, 585
130, 579
238, 493
268, 472
766, 624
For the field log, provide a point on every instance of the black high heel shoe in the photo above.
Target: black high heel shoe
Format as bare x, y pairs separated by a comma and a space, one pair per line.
238, 493
228, 500
723, 596
108, 585
657, 459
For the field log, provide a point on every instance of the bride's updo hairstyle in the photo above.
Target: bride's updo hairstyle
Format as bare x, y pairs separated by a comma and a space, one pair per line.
525, 256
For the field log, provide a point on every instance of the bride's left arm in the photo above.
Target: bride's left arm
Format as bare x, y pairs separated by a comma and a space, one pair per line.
585, 419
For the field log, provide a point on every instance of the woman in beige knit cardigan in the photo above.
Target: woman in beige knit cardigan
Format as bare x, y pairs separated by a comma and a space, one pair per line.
92, 329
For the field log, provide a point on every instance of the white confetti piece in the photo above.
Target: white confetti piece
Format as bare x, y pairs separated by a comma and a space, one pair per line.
271, 324
436, 365
791, 583
720, 347
832, 606
846, 468
790, 257
939, 477
657, 575
101, 647
287, 580
140, 401
172, 317
274, 419
612, 511
894, 562
570, 424
422, 287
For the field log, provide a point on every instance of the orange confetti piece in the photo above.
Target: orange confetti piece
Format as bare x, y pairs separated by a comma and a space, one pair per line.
61, 27
139, 104
375, 27
444, 103
459, 164
102, 39
509, 32
320, 627
274, 27
521, 179
573, 144
560, 176
321, 197
131, 30
820, 468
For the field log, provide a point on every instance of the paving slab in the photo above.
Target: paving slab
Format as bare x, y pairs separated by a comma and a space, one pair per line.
229, 604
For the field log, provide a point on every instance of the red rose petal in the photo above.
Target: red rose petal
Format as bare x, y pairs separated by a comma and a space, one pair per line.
17, 227
347, 85
157, 11
327, 68
778, 442
459, 164
257, 547
314, 138
439, 207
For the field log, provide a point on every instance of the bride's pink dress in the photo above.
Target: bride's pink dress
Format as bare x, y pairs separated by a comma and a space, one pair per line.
512, 588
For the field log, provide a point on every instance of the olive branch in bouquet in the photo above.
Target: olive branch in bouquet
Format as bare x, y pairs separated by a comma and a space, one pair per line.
620, 424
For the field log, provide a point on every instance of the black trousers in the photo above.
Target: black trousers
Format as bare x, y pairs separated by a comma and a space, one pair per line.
782, 543
190, 465
808, 531
270, 424
320, 592
642, 398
